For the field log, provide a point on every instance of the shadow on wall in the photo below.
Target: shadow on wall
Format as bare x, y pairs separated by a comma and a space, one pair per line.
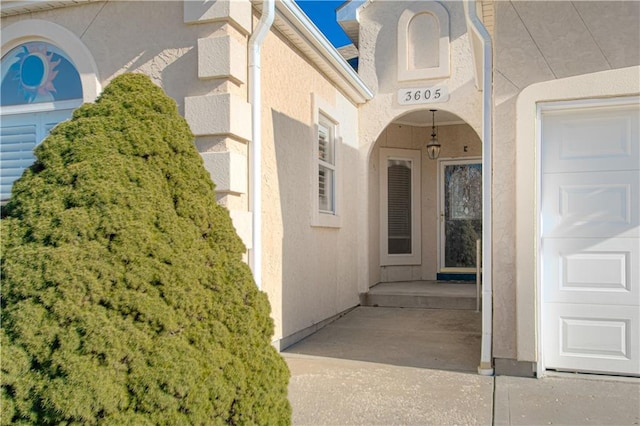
316, 266
165, 50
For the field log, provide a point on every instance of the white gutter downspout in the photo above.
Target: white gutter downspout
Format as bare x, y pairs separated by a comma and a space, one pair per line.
255, 156
486, 358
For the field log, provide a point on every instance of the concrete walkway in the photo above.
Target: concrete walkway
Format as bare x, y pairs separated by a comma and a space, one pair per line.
392, 366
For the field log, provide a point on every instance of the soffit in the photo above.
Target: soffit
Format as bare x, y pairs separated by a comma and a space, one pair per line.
17, 7
291, 21
348, 18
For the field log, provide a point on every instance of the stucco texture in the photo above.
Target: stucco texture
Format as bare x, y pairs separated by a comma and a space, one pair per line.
537, 42
309, 272
147, 37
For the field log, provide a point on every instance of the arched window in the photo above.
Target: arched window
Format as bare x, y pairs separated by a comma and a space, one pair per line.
37, 72
40, 87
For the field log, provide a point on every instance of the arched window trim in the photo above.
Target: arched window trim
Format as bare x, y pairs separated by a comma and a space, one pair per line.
27, 124
405, 72
34, 30
37, 106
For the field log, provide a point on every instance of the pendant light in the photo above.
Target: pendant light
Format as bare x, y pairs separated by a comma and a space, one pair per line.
433, 147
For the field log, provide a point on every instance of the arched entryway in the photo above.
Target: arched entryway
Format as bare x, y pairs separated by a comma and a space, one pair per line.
425, 214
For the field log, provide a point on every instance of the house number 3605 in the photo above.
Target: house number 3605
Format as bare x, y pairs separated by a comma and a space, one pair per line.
423, 95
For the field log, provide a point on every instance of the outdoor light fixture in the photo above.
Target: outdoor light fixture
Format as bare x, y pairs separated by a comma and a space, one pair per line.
433, 147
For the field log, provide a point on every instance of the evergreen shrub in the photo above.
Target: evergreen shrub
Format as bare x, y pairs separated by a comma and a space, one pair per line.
125, 299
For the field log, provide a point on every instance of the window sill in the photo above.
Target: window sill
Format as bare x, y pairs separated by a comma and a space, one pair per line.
326, 220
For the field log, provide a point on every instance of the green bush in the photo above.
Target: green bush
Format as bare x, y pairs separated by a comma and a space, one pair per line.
125, 299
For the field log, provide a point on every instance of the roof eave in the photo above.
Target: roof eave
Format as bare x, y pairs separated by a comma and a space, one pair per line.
296, 26
17, 7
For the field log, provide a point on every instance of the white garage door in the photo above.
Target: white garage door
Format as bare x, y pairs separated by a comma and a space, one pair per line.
591, 239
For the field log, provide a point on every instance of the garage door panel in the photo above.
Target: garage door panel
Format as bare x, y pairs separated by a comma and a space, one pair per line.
591, 141
590, 239
592, 338
592, 270
597, 204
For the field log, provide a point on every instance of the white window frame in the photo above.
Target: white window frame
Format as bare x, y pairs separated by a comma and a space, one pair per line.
327, 128
40, 30
415, 257
34, 30
323, 114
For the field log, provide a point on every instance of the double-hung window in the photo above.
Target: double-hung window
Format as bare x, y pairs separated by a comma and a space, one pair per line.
325, 171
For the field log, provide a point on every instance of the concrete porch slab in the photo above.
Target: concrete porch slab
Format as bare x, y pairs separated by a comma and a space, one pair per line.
424, 338
391, 366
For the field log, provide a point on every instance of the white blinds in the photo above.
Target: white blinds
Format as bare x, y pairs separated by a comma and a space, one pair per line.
16, 154
326, 167
19, 135
399, 206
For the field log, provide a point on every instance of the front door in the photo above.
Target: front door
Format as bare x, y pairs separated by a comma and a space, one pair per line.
460, 214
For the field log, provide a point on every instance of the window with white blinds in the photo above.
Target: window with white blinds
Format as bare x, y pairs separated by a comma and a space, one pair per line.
399, 206
19, 135
16, 154
326, 166
400, 212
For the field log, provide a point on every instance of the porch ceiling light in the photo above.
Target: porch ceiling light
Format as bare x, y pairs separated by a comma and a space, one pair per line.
433, 147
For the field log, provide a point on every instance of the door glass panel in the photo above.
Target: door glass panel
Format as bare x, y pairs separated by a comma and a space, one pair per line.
399, 206
462, 214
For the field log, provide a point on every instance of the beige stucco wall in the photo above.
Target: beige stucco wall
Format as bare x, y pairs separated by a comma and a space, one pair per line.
148, 37
309, 272
537, 42
534, 42
195, 52
454, 139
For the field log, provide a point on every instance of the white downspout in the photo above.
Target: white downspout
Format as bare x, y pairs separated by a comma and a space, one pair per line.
255, 156
486, 357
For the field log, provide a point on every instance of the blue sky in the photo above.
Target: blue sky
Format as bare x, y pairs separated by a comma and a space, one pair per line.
323, 14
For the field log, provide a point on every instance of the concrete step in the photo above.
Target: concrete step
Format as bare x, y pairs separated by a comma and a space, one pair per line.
422, 294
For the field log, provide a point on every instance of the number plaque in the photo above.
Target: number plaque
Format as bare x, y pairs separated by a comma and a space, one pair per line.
423, 95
